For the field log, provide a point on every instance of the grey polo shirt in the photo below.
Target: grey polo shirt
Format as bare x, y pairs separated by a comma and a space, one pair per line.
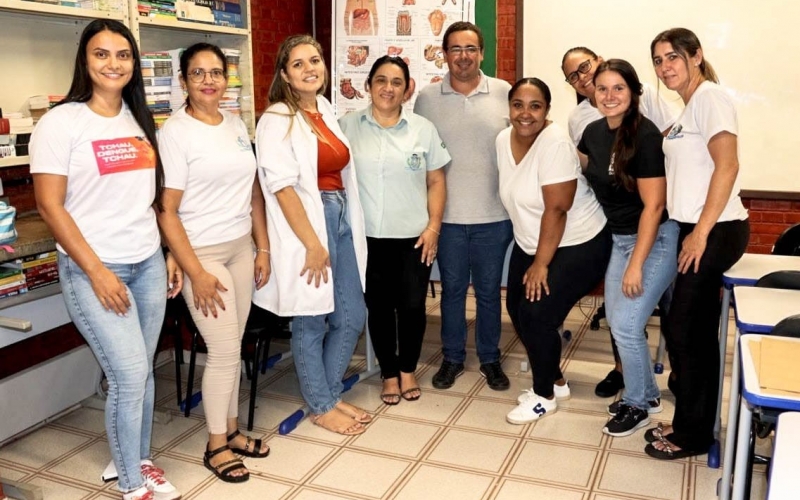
469, 125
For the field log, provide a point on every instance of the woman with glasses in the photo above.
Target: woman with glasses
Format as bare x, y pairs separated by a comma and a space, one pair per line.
579, 65
316, 227
401, 181
210, 192
623, 162
702, 166
561, 242
100, 206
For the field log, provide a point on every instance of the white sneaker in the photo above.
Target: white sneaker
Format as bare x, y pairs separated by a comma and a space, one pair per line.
562, 393
156, 482
533, 408
140, 494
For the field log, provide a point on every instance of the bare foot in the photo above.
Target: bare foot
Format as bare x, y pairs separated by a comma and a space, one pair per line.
391, 391
338, 422
359, 415
411, 390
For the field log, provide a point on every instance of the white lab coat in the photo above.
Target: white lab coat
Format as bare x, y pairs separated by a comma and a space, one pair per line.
288, 157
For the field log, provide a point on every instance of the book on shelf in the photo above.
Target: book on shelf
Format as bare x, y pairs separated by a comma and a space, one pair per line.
13, 280
11, 293
228, 19
32, 260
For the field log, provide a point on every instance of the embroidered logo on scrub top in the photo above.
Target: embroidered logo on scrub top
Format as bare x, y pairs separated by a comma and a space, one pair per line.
244, 145
611, 163
675, 133
123, 155
414, 162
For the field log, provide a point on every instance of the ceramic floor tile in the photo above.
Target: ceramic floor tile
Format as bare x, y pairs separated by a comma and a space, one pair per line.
269, 412
365, 396
656, 479
570, 427
547, 462
56, 490
396, 437
428, 482
12, 474
85, 419
164, 434
463, 385
594, 351
256, 488
308, 430
375, 475
583, 398
184, 475
42, 447
432, 407
518, 382
313, 494
86, 466
516, 490
193, 445
472, 450
588, 372
290, 459
489, 415
285, 385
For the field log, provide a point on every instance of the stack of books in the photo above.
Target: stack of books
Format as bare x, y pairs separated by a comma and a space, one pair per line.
177, 95
157, 9
230, 101
157, 72
219, 12
12, 282
28, 273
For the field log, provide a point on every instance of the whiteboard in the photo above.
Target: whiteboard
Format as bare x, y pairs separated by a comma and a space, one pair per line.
752, 46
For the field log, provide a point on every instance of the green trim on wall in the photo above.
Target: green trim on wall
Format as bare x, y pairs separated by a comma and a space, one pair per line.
486, 19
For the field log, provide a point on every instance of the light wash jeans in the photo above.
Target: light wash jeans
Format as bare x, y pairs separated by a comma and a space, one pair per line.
476, 253
322, 351
125, 348
628, 317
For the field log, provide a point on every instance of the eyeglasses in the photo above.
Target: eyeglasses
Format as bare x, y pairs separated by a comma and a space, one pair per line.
198, 75
470, 50
584, 68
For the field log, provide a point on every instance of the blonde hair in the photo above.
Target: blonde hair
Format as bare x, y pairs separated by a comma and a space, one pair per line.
281, 91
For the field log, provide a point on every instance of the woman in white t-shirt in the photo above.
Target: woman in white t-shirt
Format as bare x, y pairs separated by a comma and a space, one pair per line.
579, 65
96, 176
562, 245
702, 168
210, 190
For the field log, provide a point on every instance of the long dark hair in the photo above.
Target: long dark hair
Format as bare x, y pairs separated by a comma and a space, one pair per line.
685, 43
624, 147
188, 54
82, 89
583, 50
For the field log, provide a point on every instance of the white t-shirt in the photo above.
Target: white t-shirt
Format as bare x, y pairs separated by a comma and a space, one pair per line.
552, 159
689, 165
215, 167
651, 105
111, 181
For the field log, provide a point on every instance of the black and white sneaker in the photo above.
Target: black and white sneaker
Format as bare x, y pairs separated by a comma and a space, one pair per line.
626, 421
653, 406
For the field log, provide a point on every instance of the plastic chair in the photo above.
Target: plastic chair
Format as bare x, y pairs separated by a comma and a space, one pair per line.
788, 242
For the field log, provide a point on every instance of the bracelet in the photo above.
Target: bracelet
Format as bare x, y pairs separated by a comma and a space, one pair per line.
263, 250
435, 231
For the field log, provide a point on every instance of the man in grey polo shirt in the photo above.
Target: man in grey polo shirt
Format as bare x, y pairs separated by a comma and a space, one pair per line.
469, 109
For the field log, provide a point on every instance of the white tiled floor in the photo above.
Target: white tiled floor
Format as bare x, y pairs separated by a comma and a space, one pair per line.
452, 444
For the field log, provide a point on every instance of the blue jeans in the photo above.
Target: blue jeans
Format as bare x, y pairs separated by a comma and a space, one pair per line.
479, 251
125, 348
322, 352
627, 317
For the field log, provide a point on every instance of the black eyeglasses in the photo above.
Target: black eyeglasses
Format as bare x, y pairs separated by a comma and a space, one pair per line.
470, 50
197, 75
583, 68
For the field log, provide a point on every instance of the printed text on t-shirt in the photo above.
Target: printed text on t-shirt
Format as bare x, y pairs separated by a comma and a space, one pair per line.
123, 155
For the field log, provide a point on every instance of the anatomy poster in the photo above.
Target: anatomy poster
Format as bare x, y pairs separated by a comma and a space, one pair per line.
365, 30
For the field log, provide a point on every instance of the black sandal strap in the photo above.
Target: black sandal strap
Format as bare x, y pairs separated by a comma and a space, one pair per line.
233, 434
212, 453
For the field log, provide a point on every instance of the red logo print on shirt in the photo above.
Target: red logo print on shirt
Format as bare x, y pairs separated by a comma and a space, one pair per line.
123, 155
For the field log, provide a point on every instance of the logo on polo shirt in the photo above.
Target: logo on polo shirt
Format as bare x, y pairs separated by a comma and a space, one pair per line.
414, 162
675, 133
244, 144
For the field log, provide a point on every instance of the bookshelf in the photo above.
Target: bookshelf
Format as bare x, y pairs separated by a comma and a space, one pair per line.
38, 43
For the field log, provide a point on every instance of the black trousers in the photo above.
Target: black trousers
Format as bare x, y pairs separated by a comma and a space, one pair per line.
397, 283
574, 272
693, 334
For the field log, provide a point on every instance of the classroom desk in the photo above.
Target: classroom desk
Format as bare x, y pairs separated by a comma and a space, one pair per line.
746, 272
757, 311
785, 462
753, 396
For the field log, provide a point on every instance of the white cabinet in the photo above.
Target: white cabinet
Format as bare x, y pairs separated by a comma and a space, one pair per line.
38, 43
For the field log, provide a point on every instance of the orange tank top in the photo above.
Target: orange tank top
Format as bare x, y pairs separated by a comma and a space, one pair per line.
332, 156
